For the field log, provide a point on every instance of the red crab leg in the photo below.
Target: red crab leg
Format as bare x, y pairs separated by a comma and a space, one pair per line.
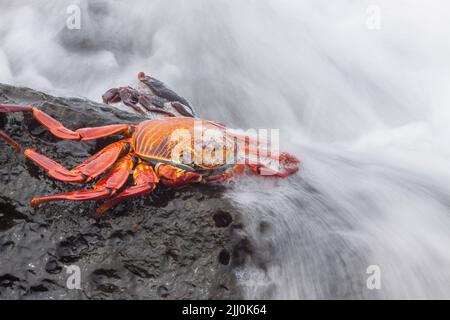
175, 177
10, 140
145, 180
58, 129
288, 164
86, 171
105, 188
53, 168
53, 125
87, 134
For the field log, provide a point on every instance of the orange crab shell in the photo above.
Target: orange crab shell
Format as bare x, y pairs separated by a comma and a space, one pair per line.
184, 142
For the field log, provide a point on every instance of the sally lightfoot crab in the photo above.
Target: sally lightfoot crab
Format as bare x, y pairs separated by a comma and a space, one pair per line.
153, 96
173, 151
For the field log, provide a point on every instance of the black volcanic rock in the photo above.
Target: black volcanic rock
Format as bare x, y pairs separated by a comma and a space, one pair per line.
172, 245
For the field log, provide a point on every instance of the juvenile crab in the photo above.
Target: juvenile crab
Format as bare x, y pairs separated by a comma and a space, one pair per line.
153, 96
173, 151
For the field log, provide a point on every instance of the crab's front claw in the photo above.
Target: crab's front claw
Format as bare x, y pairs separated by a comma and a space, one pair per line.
287, 165
128, 95
111, 96
10, 140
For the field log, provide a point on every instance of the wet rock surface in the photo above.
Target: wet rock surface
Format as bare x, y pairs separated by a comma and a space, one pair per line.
176, 244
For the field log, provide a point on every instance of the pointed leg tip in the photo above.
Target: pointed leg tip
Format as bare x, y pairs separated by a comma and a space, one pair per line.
35, 202
15, 108
101, 210
10, 140
29, 151
99, 214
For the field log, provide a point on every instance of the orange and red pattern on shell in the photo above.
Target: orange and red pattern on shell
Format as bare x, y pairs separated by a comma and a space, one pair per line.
167, 139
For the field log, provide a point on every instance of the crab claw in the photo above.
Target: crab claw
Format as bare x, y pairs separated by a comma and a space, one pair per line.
287, 165
127, 95
10, 140
182, 109
111, 96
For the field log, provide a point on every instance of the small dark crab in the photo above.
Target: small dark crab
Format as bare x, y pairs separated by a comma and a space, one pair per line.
155, 97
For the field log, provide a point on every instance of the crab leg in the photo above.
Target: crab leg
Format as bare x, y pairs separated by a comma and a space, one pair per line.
58, 129
174, 177
181, 108
145, 180
86, 171
87, 134
10, 140
254, 150
105, 188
